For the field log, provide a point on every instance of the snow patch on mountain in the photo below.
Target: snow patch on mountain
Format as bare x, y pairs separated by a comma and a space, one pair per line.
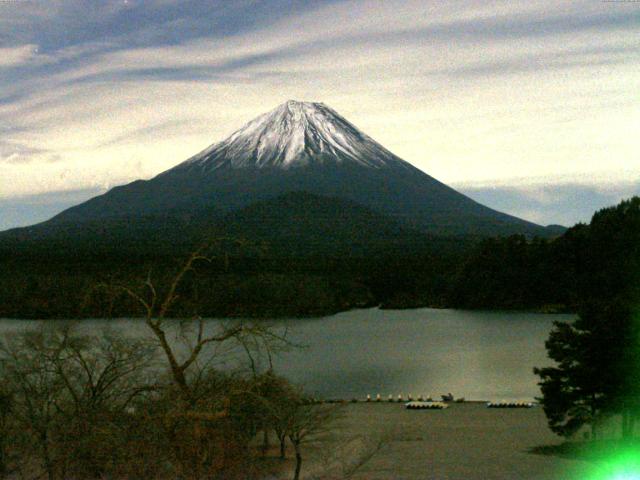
295, 134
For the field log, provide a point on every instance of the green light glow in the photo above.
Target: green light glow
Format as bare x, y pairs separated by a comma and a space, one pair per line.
621, 466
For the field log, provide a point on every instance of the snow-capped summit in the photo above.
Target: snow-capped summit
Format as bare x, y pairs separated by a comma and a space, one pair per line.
295, 134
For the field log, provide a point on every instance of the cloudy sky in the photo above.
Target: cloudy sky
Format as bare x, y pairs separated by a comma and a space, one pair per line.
531, 107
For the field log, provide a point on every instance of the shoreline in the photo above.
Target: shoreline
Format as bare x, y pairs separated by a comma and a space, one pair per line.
309, 316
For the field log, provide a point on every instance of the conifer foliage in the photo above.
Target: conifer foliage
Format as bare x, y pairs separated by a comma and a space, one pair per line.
597, 372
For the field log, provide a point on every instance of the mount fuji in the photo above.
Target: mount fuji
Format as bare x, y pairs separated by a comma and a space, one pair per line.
295, 134
297, 148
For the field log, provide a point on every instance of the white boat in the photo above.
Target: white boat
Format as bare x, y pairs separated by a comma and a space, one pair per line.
425, 405
510, 404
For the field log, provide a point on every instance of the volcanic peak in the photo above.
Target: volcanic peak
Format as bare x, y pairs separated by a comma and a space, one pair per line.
295, 134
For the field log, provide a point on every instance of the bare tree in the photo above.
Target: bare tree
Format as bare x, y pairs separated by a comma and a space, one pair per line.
306, 421
37, 391
68, 390
204, 408
102, 375
157, 306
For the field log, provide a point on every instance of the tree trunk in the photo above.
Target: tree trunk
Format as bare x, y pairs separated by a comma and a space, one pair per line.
3, 466
48, 464
296, 446
283, 447
176, 370
265, 441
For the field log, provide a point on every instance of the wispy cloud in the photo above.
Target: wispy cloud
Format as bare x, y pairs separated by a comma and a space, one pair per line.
468, 91
11, 152
19, 55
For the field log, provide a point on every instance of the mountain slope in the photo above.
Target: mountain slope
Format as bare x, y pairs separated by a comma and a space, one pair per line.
301, 224
297, 147
296, 224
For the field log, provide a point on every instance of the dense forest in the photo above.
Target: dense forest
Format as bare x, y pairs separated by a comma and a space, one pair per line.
594, 260
280, 272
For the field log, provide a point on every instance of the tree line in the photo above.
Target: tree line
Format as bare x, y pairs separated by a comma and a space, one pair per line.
295, 273
248, 282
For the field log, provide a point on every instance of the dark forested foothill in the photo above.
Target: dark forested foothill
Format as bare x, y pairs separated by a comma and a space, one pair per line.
597, 260
297, 255
305, 260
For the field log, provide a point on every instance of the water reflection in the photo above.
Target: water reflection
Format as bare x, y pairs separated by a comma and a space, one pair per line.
477, 355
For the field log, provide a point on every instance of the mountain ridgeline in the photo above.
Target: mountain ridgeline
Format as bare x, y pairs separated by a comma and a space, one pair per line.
298, 147
328, 218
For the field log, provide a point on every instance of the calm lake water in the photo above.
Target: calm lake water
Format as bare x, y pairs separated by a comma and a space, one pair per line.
476, 355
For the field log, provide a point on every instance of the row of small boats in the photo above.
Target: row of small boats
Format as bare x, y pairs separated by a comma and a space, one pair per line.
510, 404
420, 405
426, 405
400, 398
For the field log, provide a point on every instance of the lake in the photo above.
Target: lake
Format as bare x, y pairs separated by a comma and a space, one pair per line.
476, 355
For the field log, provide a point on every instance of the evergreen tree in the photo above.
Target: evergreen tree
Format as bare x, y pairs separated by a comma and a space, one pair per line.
597, 357
597, 369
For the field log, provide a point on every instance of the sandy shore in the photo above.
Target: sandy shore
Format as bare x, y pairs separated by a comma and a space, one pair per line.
466, 441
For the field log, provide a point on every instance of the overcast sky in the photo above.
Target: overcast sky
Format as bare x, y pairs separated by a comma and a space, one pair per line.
532, 107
